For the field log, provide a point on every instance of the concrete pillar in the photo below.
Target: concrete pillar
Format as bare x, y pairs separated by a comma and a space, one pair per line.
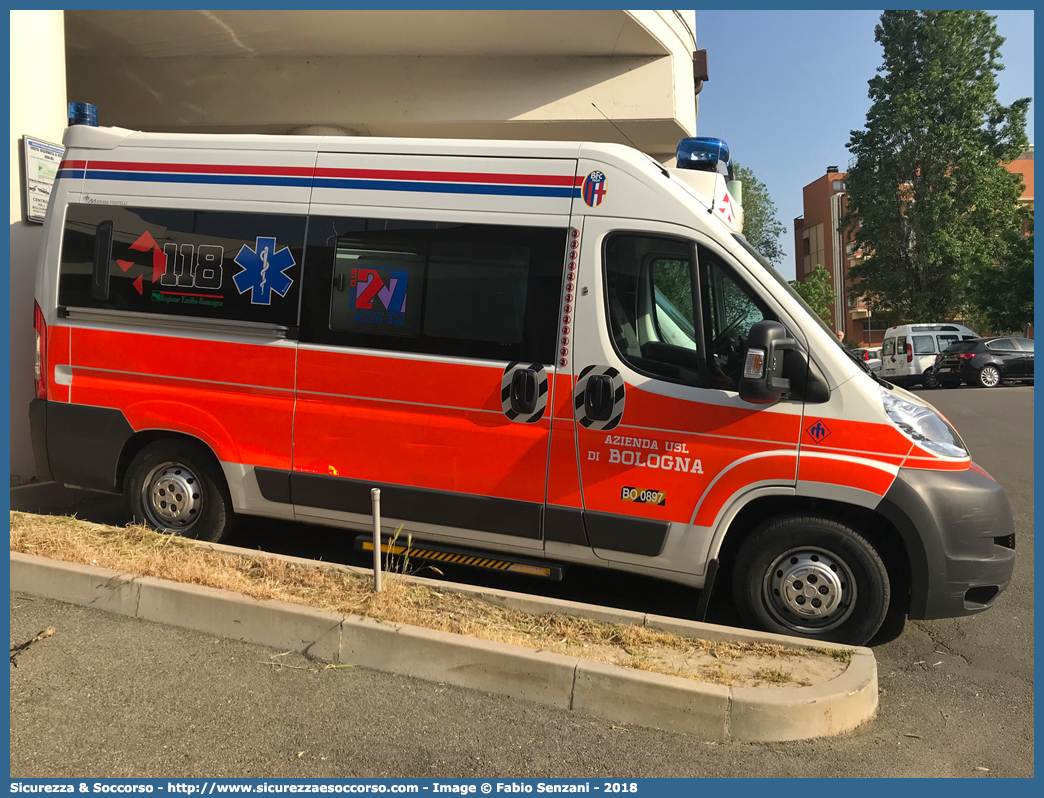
38, 109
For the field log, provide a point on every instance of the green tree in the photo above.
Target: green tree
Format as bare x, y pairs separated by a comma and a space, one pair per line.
933, 203
816, 291
1003, 293
761, 228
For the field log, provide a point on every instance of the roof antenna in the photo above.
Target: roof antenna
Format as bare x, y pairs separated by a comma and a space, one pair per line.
714, 191
725, 102
611, 122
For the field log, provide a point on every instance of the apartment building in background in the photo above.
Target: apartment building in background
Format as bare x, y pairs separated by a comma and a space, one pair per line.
818, 240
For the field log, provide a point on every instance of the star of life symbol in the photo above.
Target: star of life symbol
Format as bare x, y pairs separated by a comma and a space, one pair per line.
263, 271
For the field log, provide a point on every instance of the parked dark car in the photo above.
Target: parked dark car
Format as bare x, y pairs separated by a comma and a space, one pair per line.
986, 361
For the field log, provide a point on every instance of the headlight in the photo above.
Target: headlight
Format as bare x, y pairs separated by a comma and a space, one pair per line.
923, 426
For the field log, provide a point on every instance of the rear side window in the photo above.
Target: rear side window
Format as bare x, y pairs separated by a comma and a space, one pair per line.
1002, 343
946, 340
1025, 344
923, 345
489, 292
207, 264
888, 347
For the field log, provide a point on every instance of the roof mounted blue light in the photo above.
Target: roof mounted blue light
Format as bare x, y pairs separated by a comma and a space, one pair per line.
706, 155
83, 114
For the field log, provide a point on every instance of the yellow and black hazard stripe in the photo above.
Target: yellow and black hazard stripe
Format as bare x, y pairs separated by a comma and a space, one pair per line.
453, 556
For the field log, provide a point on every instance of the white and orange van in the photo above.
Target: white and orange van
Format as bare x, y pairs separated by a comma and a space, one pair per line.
543, 353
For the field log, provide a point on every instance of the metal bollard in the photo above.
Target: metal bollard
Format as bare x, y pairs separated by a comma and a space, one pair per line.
375, 496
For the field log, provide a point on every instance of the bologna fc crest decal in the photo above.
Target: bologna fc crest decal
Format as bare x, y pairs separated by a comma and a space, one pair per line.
595, 188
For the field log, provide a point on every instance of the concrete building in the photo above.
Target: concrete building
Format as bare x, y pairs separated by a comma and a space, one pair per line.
819, 241
621, 76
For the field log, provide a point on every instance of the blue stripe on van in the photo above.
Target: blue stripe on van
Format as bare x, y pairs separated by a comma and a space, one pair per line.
72, 173
566, 192
237, 180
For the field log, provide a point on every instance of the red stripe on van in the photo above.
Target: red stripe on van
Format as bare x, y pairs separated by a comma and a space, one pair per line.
842, 471
773, 467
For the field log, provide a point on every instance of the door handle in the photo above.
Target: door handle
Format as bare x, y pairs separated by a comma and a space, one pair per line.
524, 391
598, 398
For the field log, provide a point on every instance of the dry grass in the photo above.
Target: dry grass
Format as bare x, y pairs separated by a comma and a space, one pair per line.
138, 550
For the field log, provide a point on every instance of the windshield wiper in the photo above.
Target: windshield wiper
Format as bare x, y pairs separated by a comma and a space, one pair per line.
867, 369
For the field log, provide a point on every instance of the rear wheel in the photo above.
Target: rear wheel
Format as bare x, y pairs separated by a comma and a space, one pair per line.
930, 379
177, 488
813, 577
989, 376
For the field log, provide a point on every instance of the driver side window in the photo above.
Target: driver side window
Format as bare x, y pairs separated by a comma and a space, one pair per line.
730, 310
649, 294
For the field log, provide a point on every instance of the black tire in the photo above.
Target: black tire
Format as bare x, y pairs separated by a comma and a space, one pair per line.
930, 379
793, 552
204, 513
989, 376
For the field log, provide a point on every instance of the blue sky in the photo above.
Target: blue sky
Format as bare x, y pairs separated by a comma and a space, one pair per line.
786, 87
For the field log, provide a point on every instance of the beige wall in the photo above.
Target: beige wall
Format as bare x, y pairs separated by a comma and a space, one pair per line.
38, 109
498, 75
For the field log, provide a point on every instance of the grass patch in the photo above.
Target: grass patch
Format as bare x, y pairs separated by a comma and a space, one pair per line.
140, 551
773, 676
841, 655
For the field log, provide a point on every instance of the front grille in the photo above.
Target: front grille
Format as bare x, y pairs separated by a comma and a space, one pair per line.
1007, 541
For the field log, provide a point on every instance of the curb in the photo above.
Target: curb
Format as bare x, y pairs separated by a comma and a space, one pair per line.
712, 712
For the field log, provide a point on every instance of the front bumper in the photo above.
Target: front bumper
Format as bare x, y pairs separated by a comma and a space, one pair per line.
959, 536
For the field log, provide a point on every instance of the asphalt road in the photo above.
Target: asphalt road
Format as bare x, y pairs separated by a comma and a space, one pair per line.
113, 696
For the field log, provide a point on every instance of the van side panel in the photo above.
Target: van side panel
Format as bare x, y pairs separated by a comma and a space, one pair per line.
414, 422
236, 397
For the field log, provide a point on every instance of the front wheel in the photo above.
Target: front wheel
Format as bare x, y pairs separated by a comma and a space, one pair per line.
812, 577
176, 488
989, 377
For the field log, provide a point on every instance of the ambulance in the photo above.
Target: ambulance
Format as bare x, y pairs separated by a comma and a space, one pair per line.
542, 353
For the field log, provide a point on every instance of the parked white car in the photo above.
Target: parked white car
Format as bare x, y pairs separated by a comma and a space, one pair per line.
908, 351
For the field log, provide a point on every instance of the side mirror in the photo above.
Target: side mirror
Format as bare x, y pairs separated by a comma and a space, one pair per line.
762, 382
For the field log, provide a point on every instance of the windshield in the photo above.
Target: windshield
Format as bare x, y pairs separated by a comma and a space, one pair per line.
789, 288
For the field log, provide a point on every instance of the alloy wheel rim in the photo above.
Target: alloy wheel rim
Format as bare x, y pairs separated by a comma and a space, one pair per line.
809, 589
989, 376
172, 497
